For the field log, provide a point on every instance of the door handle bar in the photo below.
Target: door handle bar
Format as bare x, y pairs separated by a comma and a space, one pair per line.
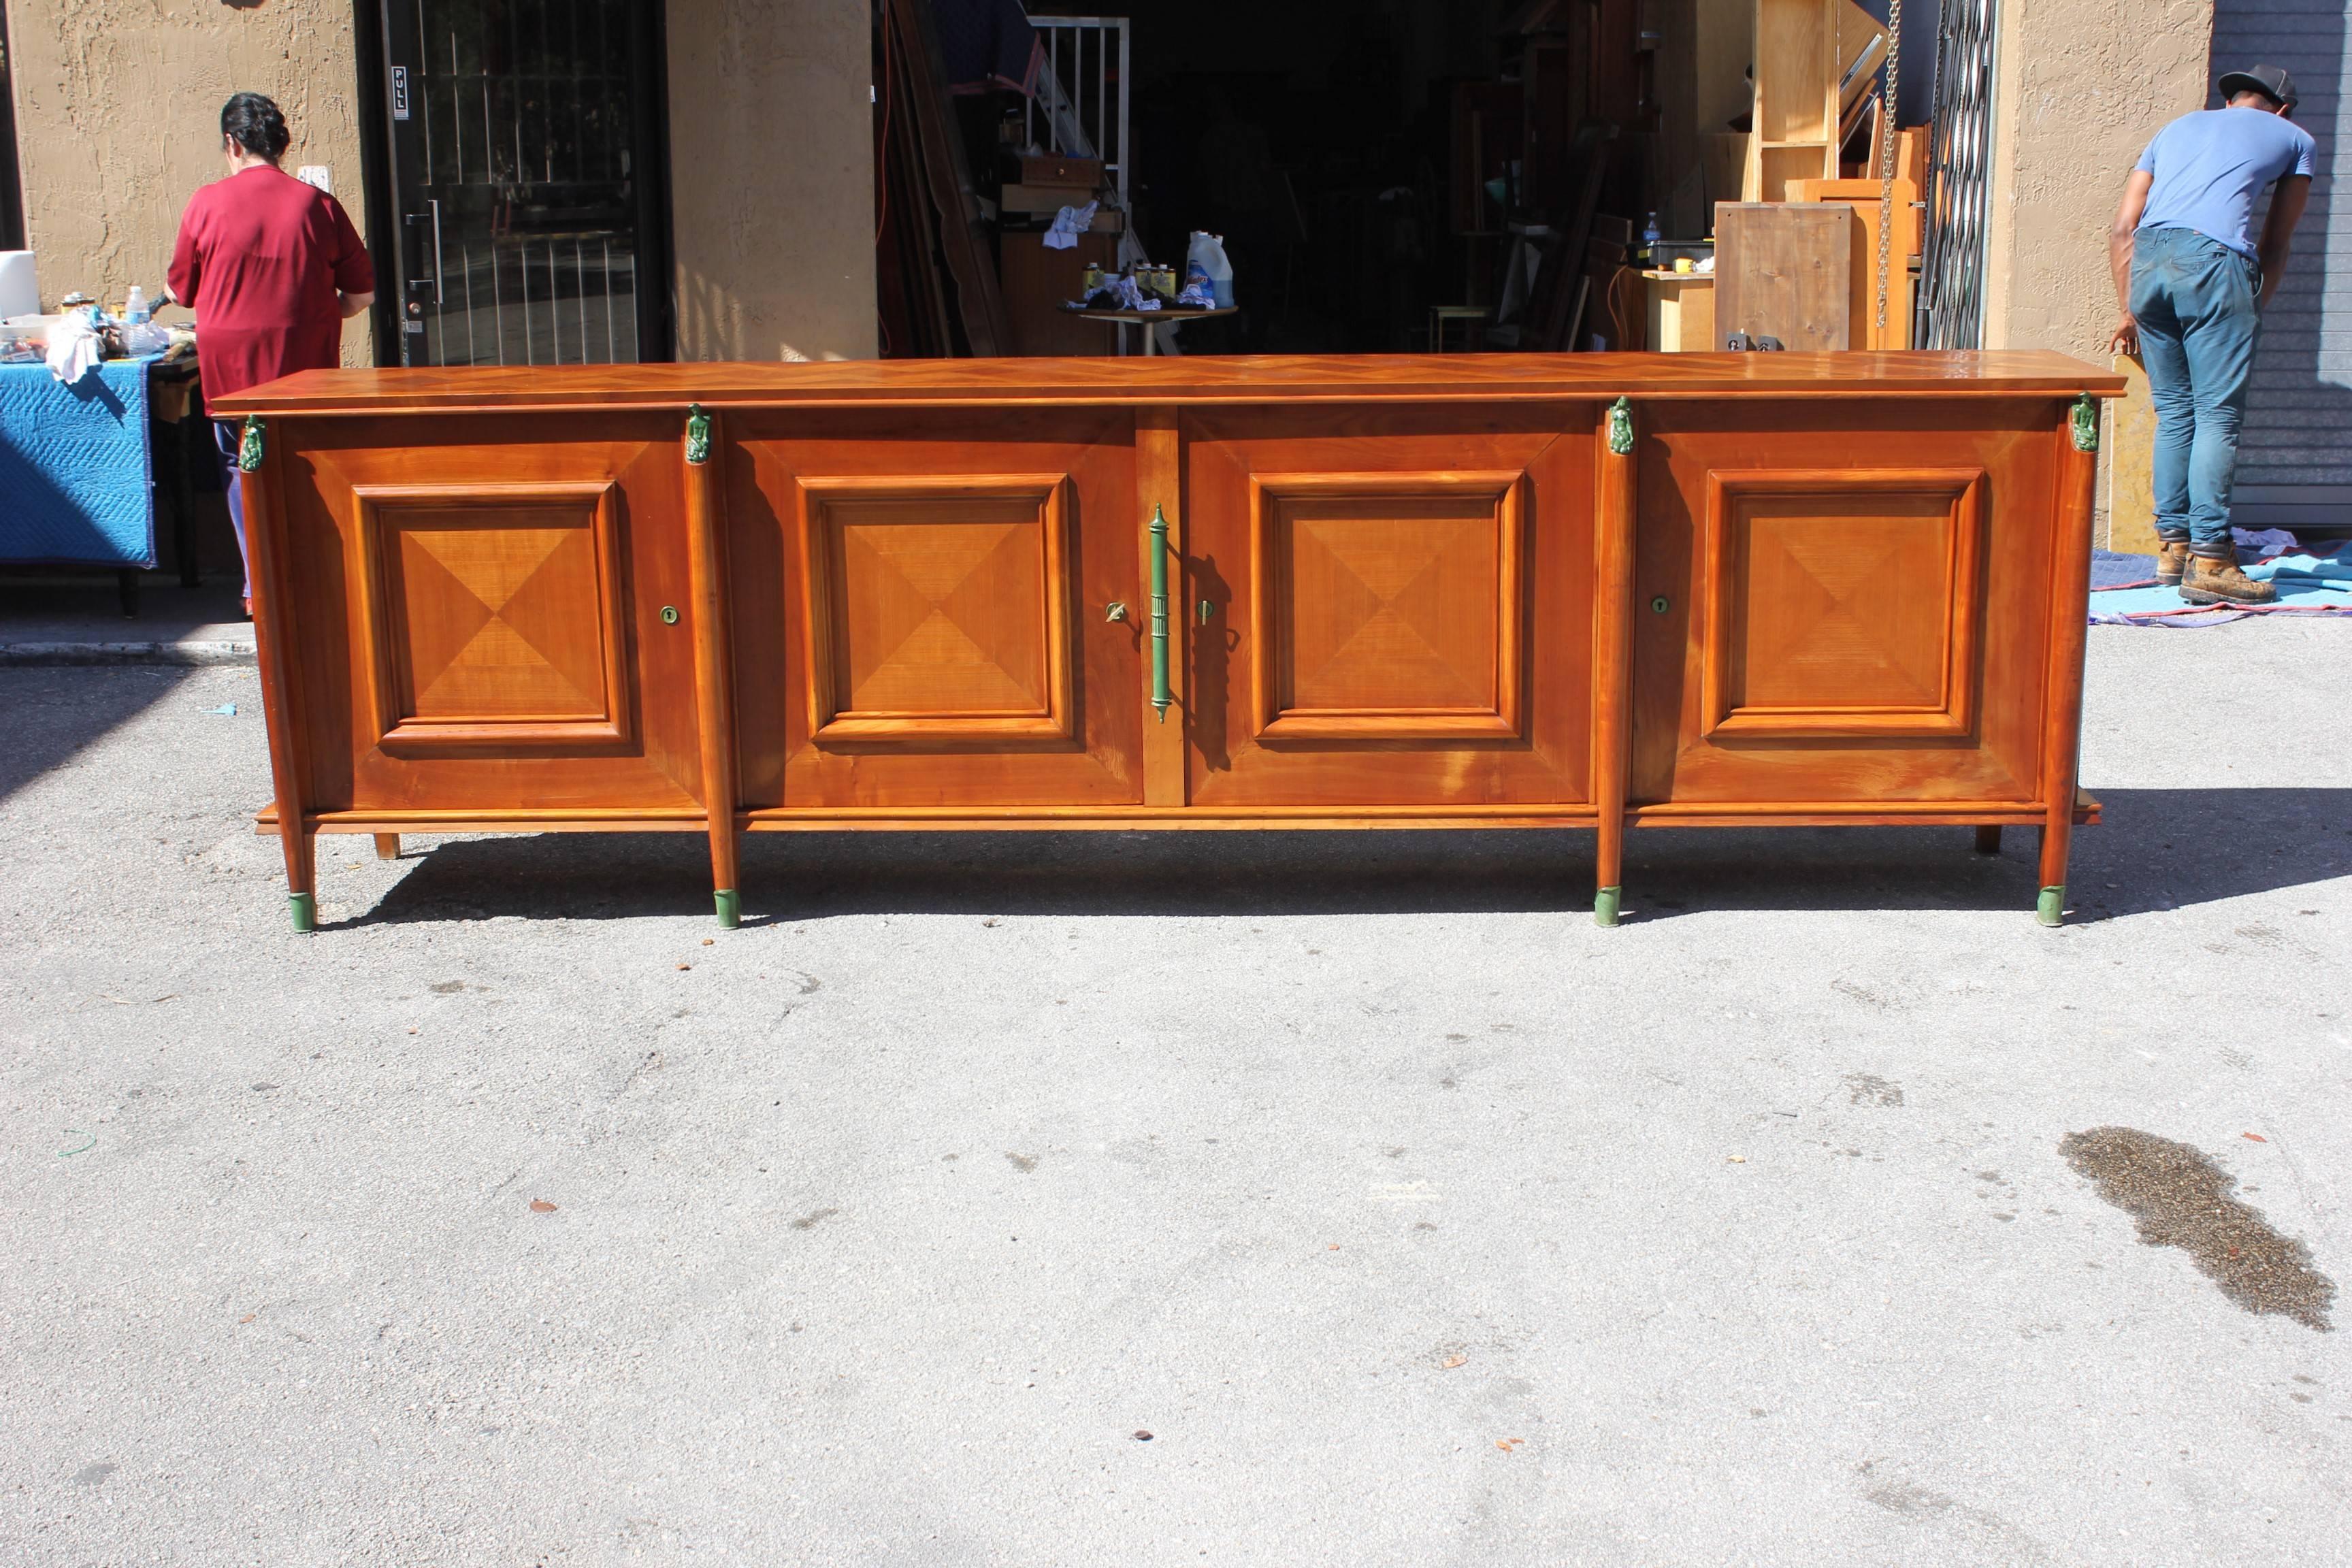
436, 204
1161, 698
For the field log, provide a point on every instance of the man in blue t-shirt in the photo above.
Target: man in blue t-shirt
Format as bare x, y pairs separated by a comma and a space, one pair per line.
2192, 287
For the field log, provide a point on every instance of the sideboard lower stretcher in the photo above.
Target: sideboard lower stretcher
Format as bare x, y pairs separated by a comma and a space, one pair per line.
1450, 591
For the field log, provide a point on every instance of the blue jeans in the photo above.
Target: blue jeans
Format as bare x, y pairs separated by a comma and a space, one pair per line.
2194, 300
226, 438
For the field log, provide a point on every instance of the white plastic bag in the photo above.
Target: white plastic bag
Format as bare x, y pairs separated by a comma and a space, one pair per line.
74, 348
1068, 224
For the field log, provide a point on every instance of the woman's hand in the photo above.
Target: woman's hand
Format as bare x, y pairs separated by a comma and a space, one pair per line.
2126, 338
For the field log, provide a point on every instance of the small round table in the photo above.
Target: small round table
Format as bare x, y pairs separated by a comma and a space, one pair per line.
1170, 315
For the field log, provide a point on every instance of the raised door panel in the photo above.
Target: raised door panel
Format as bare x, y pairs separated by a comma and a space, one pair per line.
1389, 604
924, 594
493, 617
937, 609
1399, 607
491, 614
1841, 603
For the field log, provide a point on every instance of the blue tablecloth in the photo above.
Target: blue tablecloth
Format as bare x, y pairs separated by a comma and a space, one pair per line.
75, 470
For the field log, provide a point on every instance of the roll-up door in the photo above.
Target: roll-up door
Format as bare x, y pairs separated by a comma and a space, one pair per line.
2294, 462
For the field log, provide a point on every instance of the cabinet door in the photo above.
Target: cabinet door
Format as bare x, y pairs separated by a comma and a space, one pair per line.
478, 613
1401, 606
919, 610
1841, 601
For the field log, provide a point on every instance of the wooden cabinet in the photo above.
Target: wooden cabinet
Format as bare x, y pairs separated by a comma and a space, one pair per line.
1584, 592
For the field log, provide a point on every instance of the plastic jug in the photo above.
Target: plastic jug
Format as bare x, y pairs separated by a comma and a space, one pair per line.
1207, 255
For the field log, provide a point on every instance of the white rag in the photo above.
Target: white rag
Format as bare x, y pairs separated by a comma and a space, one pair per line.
74, 349
1068, 224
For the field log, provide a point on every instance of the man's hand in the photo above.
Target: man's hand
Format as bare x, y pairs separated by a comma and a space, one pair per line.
2120, 237
2278, 232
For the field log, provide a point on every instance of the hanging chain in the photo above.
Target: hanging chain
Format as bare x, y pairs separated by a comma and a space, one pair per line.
1889, 131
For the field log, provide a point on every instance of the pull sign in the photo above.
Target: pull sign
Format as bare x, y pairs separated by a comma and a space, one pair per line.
400, 93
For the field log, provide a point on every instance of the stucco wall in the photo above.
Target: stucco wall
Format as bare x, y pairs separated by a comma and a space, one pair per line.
771, 177
118, 122
2079, 88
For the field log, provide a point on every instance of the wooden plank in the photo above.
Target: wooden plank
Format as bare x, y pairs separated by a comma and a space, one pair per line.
963, 237
1792, 272
1863, 198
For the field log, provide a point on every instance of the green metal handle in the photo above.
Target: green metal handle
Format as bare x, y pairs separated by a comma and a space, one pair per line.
698, 434
248, 446
1160, 697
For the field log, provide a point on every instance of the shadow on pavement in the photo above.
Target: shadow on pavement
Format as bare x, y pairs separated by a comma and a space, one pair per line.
2157, 849
49, 713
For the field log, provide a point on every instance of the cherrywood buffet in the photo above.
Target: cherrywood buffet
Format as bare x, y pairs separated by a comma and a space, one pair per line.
1578, 591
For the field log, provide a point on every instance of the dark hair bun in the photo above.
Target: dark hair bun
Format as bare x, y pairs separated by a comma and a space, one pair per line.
254, 123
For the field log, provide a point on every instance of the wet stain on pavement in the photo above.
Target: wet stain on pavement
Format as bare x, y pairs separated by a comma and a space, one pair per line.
2179, 1197
1869, 1088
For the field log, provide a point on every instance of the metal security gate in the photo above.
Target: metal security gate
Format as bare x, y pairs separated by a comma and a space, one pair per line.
1959, 181
525, 181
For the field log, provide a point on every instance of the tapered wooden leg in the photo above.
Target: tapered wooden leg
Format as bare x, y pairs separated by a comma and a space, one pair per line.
1989, 839
1612, 655
272, 636
2070, 613
387, 846
713, 669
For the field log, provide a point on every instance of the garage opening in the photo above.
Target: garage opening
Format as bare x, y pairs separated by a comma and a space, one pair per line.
1401, 175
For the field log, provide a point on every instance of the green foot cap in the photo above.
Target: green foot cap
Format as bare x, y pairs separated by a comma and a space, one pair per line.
2051, 908
1605, 904
304, 908
730, 907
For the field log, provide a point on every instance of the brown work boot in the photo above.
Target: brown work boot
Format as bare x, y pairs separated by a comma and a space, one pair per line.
2211, 581
2171, 562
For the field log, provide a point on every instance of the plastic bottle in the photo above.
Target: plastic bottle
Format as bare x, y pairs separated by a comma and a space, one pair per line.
1650, 238
136, 309
1207, 254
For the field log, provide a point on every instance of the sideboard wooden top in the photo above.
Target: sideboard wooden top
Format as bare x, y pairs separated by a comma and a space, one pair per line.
1140, 379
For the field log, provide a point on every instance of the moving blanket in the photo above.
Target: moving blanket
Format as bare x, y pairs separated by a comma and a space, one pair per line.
2307, 582
75, 470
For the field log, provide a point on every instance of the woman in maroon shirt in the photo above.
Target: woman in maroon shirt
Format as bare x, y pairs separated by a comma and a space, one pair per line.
272, 269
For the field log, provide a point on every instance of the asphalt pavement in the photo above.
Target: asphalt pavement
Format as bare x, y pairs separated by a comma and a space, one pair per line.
1210, 1198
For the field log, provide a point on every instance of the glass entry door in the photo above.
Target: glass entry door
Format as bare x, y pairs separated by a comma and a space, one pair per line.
525, 181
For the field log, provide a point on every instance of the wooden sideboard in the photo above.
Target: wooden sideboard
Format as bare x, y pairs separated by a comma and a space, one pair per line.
1578, 591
